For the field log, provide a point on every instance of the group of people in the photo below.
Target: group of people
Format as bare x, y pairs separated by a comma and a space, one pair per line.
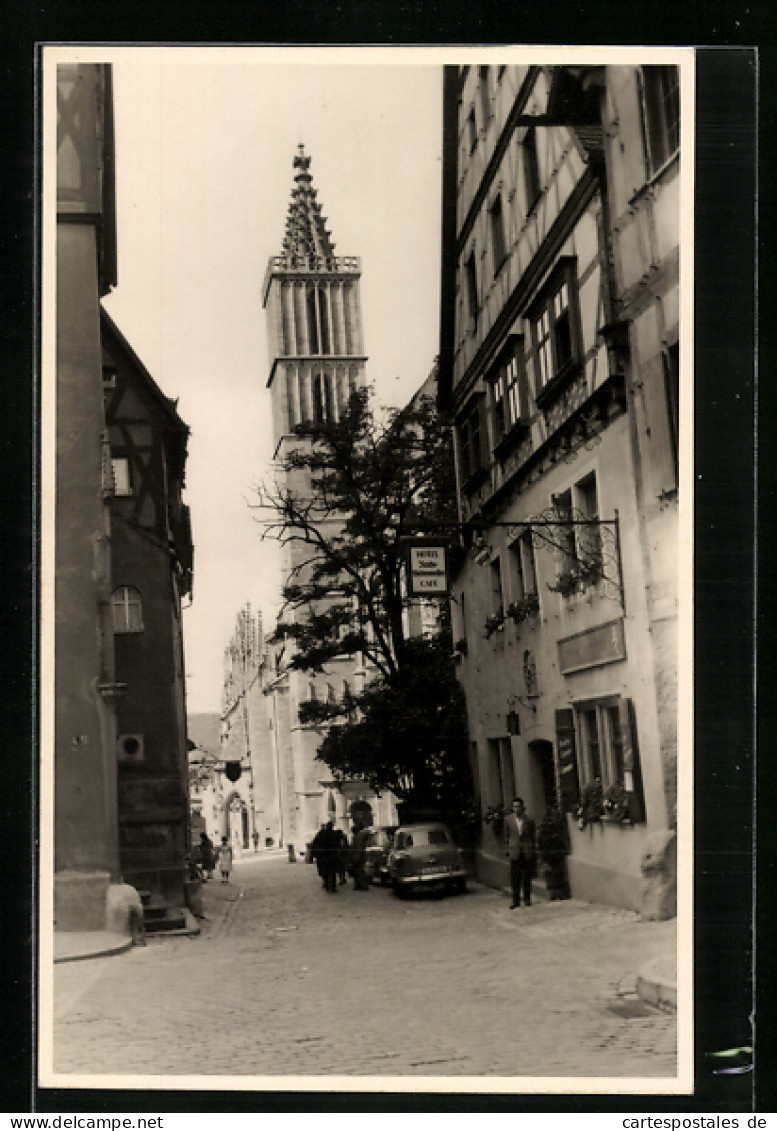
208, 858
335, 858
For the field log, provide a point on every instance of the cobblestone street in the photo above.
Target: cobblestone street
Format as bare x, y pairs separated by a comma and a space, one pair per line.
287, 981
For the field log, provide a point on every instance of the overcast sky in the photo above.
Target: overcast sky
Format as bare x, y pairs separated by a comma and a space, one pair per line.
204, 148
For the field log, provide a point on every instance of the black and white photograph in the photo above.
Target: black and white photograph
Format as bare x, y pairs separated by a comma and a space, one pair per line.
366, 557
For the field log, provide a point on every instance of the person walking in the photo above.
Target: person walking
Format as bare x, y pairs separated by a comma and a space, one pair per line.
207, 856
357, 857
522, 851
326, 844
225, 860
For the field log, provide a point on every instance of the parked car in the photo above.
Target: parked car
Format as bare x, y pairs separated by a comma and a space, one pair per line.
379, 841
425, 856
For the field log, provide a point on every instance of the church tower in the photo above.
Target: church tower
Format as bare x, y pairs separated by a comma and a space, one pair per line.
314, 324
316, 348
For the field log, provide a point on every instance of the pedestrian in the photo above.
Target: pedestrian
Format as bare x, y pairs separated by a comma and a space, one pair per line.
357, 857
325, 845
207, 856
522, 851
225, 860
315, 854
342, 855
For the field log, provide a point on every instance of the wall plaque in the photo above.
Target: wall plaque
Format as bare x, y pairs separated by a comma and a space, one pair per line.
605, 644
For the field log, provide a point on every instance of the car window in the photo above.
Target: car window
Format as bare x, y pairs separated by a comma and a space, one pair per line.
408, 841
438, 836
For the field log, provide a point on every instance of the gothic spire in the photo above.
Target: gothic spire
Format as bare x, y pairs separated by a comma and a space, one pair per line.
305, 230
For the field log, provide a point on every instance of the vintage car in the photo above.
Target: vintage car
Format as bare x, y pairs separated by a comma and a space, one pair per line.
425, 856
379, 841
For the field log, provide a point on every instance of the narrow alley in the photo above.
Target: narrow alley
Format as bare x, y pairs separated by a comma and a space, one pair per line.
286, 980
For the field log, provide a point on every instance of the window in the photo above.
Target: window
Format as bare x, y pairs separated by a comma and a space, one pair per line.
471, 450
127, 609
472, 128
312, 320
580, 544
589, 538
523, 575
563, 504
471, 278
607, 748
498, 245
555, 340
323, 399
502, 772
531, 168
438, 836
661, 91
497, 599
122, 484
484, 93
671, 361
508, 391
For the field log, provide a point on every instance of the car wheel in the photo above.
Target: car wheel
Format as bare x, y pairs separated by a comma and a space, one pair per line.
460, 886
384, 881
398, 890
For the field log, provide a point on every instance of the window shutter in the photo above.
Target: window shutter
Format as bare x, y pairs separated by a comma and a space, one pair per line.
566, 755
632, 772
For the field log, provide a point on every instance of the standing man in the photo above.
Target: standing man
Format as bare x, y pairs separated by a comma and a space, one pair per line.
522, 850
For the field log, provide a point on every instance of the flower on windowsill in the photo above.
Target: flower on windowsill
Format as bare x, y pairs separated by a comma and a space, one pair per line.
495, 623
616, 802
591, 805
581, 576
528, 606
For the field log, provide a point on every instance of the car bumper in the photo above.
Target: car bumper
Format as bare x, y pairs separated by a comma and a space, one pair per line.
431, 878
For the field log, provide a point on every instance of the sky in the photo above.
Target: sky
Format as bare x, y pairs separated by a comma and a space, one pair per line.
205, 140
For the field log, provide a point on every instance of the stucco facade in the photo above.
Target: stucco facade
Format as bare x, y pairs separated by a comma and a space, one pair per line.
559, 333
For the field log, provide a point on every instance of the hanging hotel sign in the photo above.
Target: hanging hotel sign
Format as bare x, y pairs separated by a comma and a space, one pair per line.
427, 569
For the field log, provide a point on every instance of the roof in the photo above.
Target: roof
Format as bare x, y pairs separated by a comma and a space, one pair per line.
306, 233
204, 731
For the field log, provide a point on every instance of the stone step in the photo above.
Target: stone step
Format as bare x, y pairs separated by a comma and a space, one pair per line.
154, 912
172, 921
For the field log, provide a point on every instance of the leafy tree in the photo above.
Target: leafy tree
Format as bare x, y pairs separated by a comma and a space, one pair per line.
353, 492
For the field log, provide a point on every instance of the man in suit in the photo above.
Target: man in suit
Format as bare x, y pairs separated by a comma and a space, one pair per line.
522, 850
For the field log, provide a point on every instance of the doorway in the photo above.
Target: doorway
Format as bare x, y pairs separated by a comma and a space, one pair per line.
543, 775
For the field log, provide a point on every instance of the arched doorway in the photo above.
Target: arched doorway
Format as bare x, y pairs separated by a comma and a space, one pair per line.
236, 820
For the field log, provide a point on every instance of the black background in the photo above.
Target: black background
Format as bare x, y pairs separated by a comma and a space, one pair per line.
735, 115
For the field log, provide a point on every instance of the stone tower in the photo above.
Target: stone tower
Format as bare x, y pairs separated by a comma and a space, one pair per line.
316, 348
314, 324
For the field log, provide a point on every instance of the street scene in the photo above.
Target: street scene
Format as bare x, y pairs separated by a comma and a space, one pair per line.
365, 451
285, 980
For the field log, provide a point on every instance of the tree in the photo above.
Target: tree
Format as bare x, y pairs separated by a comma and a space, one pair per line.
352, 493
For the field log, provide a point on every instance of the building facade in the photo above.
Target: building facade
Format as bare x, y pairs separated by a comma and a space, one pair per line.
314, 327
122, 555
86, 834
151, 576
559, 363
